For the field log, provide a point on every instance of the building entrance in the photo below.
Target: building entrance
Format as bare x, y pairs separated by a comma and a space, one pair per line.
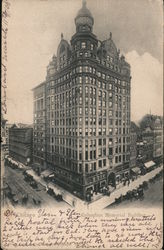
112, 179
96, 187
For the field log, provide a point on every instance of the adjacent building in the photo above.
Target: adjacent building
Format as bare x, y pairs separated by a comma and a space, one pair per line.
82, 112
133, 144
6, 139
150, 142
3, 131
158, 138
20, 144
40, 132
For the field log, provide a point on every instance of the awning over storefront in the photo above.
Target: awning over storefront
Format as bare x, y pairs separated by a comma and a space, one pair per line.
51, 175
31, 172
149, 164
136, 170
21, 166
46, 173
14, 162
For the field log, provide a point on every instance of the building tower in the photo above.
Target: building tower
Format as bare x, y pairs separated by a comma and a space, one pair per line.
85, 114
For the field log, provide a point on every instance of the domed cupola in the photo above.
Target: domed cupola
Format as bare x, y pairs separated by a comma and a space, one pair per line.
84, 20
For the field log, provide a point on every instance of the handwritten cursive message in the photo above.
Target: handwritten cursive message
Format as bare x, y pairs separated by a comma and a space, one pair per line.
5, 17
69, 229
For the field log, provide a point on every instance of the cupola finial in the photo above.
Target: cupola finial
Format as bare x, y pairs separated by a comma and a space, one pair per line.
84, 3
61, 36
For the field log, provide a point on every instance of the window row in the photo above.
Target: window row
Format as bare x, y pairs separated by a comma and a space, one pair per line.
85, 69
84, 45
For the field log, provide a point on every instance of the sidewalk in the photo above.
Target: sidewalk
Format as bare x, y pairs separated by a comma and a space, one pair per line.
67, 196
106, 201
102, 202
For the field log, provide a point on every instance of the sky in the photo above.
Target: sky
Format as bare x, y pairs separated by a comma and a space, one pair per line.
34, 33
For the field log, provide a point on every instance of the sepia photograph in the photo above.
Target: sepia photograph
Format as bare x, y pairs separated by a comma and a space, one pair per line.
82, 124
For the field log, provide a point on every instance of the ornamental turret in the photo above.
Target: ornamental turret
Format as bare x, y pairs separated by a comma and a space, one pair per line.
84, 20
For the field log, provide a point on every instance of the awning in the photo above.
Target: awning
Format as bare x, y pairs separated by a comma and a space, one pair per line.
31, 172
14, 162
149, 164
21, 166
136, 170
46, 173
51, 175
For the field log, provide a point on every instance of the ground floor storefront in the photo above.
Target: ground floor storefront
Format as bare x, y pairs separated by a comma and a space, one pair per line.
91, 186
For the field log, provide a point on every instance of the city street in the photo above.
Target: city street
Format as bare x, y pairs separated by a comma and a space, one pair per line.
153, 197
106, 201
15, 180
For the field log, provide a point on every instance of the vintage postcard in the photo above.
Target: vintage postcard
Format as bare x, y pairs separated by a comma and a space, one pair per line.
82, 124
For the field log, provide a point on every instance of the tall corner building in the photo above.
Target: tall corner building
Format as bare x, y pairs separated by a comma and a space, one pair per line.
82, 112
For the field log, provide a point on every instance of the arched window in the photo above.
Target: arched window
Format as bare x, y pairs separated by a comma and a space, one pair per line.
62, 49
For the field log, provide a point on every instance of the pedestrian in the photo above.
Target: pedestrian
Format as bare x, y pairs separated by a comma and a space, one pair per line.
73, 203
46, 188
34, 201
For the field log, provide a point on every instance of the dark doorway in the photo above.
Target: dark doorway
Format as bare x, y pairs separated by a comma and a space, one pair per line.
112, 179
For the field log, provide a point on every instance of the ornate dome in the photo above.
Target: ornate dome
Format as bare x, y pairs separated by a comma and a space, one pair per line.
110, 46
84, 16
157, 122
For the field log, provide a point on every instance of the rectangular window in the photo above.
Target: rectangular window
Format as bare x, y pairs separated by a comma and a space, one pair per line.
103, 76
86, 131
80, 167
83, 45
86, 168
110, 151
110, 131
86, 155
80, 131
80, 69
100, 164
86, 79
86, 69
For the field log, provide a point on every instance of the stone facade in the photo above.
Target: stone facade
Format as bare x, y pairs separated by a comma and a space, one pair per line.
84, 111
20, 144
133, 144
150, 143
